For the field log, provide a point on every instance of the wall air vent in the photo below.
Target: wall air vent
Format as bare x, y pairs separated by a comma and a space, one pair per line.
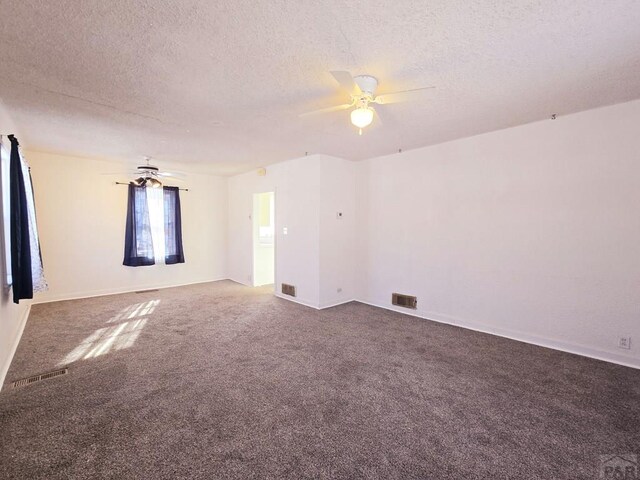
406, 301
288, 290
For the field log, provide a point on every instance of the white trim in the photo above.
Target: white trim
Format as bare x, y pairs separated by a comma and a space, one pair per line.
307, 304
341, 302
296, 300
567, 347
239, 282
16, 341
103, 293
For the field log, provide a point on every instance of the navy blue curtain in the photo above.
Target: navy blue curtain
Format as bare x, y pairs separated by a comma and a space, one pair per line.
138, 242
20, 241
172, 226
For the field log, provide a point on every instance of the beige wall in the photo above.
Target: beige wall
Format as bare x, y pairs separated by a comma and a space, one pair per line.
12, 321
81, 218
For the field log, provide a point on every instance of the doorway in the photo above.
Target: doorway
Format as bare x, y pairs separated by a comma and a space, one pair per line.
263, 238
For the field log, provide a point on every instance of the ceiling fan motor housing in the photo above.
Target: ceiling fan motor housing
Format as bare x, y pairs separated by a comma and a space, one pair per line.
147, 168
367, 83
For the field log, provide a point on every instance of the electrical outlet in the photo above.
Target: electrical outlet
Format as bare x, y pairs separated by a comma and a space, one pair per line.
624, 342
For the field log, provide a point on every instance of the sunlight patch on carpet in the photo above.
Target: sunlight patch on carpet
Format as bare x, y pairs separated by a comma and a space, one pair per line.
105, 340
136, 310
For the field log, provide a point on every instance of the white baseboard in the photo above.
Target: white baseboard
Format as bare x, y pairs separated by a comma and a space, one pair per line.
297, 300
239, 282
14, 346
309, 304
113, 291
341, 302
562, 346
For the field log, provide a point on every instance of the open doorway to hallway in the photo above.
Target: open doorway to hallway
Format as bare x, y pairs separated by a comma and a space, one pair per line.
263, 238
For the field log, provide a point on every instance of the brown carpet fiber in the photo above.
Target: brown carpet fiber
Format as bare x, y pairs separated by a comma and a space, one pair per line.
219, 380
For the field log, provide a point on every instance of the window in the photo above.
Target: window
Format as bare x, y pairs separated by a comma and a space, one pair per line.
20, 242
155, 201
154, 227
5, 241
173, 250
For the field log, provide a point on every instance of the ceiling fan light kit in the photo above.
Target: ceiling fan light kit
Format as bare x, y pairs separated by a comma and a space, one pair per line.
362, 117
147, 182
148, 175
361, 90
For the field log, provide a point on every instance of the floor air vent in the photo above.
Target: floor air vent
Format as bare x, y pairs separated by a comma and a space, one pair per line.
37, 378
288, 290
147, 291
406, 301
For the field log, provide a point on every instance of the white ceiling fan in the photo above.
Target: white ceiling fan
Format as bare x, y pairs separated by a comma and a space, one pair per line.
362, 93
149, 175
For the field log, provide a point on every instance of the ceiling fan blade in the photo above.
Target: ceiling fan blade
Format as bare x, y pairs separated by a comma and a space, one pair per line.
376, 118
345, 79
170, 178
327, 110
119, 173
397, 97
172, 174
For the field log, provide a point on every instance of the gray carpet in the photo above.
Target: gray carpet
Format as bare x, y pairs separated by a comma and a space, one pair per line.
223, 381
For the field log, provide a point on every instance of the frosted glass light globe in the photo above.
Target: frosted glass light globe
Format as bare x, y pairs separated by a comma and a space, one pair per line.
362, 117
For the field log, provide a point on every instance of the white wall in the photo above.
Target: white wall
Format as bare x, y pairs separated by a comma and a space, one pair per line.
315, 254
296, 186
81, 218
12, 321
337, 234
531, 232
241, 189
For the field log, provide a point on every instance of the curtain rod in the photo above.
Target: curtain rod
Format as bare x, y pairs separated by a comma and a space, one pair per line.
122, 183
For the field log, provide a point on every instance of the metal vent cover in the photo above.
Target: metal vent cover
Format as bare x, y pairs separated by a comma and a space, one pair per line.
147, 291
288, 290
37, 378
407, 301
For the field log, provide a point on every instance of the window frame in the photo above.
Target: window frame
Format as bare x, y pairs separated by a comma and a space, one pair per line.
5, 200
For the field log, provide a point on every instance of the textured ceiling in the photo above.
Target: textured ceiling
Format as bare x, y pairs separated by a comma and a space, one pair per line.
222, 83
